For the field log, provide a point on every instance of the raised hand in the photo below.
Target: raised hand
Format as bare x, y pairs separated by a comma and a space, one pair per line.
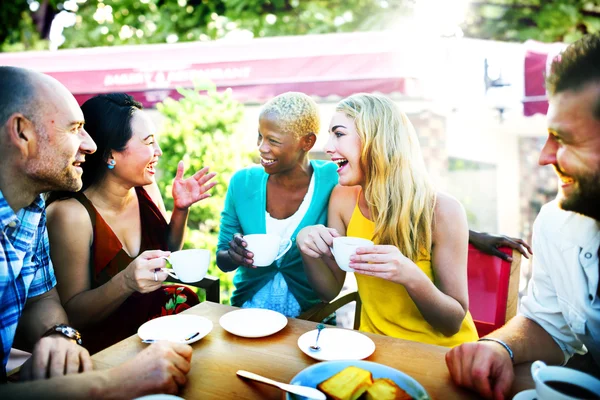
193, 189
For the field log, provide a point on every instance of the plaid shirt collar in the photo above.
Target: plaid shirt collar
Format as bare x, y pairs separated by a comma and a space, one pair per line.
7, 215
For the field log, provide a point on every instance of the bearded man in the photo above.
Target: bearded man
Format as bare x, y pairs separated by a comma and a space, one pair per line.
560, 315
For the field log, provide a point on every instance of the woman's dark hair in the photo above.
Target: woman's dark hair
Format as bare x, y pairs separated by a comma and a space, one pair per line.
108, 122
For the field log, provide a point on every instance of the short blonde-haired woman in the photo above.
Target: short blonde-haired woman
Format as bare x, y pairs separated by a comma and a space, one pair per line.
413, 281
281, 196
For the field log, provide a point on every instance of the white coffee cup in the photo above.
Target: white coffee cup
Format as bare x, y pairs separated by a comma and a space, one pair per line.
552, 383
188, 265
344, 247
266, 248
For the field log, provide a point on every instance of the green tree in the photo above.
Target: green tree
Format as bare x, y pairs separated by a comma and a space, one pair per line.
22, 28
158, 21
543, 20
115, 22
203, 129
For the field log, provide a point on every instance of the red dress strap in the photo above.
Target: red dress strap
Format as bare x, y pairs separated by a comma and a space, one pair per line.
108, 247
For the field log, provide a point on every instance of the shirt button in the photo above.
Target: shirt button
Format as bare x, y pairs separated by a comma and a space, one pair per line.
590, 297
588, 255
12, 224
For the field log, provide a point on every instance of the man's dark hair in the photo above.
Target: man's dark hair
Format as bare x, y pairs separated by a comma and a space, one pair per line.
577, 67
17, 93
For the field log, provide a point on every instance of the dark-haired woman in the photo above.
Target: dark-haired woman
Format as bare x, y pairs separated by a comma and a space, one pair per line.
107, 239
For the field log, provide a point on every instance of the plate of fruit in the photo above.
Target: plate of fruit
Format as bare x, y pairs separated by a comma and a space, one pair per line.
359, 380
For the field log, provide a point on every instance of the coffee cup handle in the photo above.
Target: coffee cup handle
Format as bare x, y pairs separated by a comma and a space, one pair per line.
535, 367
169, 271
289, 245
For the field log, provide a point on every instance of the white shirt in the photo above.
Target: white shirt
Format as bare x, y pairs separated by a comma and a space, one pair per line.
286, 227
562, 295
275, 295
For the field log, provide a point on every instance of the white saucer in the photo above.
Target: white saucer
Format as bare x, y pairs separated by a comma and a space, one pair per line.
337, 344
176, 328
159, 397
253, 322
526, 395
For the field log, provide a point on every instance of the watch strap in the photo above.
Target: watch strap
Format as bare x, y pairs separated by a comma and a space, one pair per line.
65, 330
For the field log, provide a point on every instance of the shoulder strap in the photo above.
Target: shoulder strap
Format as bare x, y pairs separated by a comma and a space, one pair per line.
80, 197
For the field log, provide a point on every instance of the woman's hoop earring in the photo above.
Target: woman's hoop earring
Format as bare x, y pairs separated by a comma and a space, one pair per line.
111, 164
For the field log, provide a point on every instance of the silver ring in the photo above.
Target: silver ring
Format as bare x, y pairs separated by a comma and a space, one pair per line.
155, 276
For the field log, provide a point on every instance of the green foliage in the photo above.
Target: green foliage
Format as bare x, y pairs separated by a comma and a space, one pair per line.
110, 22
117, 22
203, 129
543, 20
18, 31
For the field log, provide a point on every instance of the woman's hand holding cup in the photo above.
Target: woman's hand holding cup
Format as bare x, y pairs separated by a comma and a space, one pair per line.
316, 241
144, 274
238, 253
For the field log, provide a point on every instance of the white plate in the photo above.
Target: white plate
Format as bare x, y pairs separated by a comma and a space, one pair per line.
526, 395
159, 397
337, 344
175, 328
253, 322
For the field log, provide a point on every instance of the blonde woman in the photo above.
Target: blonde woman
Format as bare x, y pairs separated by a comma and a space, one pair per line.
413, 281
282, 195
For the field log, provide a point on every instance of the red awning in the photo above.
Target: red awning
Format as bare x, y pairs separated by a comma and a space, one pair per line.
538, 58
256, 69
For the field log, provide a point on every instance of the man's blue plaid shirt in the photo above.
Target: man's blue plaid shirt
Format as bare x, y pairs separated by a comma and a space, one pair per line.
25, 267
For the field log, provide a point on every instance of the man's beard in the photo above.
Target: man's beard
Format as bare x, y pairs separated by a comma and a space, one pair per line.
585, 199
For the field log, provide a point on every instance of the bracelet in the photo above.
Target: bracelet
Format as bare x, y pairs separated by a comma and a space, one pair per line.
501, 343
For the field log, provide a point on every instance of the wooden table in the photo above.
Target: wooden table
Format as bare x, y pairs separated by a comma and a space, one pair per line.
219, 355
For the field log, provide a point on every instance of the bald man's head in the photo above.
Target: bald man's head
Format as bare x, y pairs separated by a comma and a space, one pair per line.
32, 94
41, 131
17, 93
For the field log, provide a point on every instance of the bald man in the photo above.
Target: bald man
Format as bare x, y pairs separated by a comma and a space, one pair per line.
42, 146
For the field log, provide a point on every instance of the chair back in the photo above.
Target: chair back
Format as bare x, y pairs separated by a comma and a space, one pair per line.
493, 288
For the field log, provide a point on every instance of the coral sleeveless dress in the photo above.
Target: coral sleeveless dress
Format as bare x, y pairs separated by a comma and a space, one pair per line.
108, 259
387, 308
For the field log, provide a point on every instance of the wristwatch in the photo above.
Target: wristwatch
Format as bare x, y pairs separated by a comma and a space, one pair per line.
65, 330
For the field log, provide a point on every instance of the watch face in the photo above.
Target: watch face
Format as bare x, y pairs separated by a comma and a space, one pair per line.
67, 330
70, 332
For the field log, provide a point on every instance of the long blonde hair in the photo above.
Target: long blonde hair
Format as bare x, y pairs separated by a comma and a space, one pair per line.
399, 193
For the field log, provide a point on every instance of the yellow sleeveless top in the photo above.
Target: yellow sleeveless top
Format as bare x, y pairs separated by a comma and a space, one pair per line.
387, 308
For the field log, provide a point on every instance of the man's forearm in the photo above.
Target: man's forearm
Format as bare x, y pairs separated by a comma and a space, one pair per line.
40, 314
529, 341
78, 386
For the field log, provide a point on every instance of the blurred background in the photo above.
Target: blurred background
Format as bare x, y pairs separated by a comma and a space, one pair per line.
469, 74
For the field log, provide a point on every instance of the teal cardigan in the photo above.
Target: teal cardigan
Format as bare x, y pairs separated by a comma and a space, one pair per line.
244, 212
